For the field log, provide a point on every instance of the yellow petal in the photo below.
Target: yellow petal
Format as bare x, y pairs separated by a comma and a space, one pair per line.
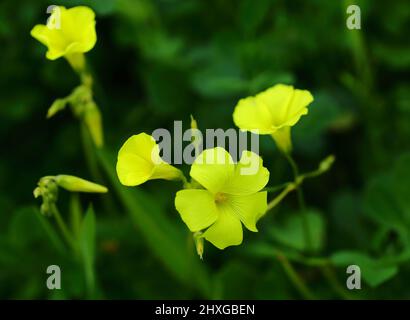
134, 165
213, 168
298, 106
78, 24
133, 170
250, 176
52, 38
226, 231
249, 208
250, 115
276, 100
142, 145
197, 208
285, 104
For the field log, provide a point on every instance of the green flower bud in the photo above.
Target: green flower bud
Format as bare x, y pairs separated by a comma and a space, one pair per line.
48, 190
326, 163
93, 121
75, 184
194, 124
199, 243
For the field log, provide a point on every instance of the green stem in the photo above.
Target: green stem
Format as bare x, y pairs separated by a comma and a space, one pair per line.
277, 188
295, 278
274, 202
89, 153
331, 278
63, 228
75, 214
324, 264
301, 200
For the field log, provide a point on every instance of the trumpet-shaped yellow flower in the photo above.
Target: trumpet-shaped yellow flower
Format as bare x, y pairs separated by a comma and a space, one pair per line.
231, 197
139, 161
68, 32
273, 112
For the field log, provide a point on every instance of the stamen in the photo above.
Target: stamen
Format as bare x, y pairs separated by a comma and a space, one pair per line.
220, 197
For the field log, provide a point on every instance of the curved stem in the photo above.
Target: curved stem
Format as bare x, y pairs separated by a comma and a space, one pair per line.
301, 200
295, 278
331, 278
280, 196
63, 227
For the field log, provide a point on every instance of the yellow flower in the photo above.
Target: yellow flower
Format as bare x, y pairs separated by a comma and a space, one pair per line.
231, 197
68, 33
139, 161
273, 112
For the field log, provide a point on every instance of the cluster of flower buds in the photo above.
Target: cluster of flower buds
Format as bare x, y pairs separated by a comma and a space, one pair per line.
47, 188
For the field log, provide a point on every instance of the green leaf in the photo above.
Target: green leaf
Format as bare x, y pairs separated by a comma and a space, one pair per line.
252, 14
87, 246
291, 232
387, 197
374, 272
212, 83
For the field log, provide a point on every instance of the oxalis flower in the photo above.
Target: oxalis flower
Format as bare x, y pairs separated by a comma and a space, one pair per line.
68, 33
273, 111
139, 161
231, 197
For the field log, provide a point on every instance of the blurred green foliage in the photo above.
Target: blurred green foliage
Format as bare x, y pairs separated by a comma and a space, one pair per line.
162, 60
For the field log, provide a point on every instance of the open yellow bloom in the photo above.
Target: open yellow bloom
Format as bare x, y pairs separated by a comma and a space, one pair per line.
68, 33
231, 197
139, 161
273, 112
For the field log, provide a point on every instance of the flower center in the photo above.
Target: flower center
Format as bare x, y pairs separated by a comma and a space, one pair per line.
220, 197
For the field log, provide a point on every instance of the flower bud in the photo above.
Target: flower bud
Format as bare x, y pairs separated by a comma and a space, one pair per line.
47, 189
326, 163
194, 124
93, 121
199, 244
75, 184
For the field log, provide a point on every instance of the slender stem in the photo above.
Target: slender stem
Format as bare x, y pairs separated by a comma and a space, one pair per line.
89, 153
185, 183
295, 278
63, 228
280, 196
301, 200
324, 264
277, 188
331, 278
325, 267
75, 214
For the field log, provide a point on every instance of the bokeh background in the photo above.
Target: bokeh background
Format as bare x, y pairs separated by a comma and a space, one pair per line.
160, 61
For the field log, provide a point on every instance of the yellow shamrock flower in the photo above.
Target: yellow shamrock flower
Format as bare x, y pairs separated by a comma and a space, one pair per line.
231, 197
273, 112
139, 161
68, 33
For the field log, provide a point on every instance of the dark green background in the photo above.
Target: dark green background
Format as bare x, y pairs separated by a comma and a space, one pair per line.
160, 61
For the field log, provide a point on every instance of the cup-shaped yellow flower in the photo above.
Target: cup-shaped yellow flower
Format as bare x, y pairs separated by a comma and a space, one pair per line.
232, 196
273, 112
139, 161
68, 33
